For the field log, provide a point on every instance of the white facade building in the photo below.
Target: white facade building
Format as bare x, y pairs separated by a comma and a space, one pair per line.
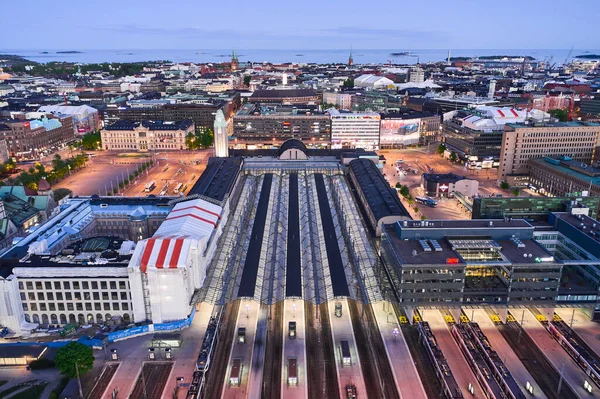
342, 100
354, 129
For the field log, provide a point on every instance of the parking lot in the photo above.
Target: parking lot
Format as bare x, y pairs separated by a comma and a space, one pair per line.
106, 170
428, 161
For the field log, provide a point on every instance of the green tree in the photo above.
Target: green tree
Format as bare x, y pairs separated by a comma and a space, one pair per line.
560, 114
404, 191
71, 354
441, 148
61, 193
453, 157
190, 141
247, 79
504, 185
349, 83
91, 141
516, 191
398, 185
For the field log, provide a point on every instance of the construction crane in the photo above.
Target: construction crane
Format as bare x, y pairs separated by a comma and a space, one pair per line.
568, 56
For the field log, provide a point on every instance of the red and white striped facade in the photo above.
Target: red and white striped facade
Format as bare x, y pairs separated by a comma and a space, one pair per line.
175, 260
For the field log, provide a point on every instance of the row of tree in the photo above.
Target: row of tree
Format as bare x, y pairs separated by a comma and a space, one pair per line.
60, 168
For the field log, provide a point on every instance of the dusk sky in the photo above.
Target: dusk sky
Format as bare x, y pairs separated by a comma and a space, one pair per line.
309, 24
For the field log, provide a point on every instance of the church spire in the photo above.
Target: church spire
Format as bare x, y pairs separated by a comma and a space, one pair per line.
350, 59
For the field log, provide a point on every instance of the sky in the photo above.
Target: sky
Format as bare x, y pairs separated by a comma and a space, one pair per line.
305, 24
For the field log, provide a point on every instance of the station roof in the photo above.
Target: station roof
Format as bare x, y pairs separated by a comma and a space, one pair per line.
381, 198
218, 178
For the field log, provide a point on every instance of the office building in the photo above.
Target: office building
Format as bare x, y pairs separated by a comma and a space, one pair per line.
270, 125
532, 208
354, 129
286, 96
416, 75
28, 138
521, 142
126, 135
563, 176
203, 115
469, 262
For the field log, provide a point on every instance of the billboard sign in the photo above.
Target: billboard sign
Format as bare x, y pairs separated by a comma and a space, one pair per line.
399, 131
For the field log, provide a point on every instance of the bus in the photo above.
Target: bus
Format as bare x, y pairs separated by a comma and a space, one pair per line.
292, 372
149, 186
178, 188
426, 201
236, 372
346, 358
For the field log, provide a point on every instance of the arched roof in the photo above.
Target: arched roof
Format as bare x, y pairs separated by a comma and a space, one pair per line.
292, 144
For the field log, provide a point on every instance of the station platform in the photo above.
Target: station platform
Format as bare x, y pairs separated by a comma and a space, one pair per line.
572, 374
458, 364
247, 317
293, 310
341, 330
507, 355
406, 376
585, 328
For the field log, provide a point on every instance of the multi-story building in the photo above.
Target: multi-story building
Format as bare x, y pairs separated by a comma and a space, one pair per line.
203, 115
521, 142
341, 99
85, 118
3, 151
563, 176
268, 125
416, 75
146, 136
29, 138
354, 129
286, 96
531, 208
401, 129
469, 262
478, 132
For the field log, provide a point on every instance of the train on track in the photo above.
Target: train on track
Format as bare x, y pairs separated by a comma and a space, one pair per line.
195, 390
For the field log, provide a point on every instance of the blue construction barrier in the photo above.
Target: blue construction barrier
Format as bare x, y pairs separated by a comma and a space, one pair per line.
150, 328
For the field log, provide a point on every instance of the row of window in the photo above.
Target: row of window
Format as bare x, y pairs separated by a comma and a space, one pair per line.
51, 306
77, 296
66, 285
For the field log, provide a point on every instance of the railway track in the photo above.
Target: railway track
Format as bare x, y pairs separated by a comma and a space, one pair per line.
322, 377
376, 369
271, 388
220, 360
108, 372
535, 362
152, 381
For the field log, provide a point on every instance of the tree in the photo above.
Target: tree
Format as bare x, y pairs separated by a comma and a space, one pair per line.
504, 185
404, 191
91, 141
516, 191
61, 193
349, 83
190, 141
441, 148
453, 157
398, 185
560, 114
247, 79
72, 353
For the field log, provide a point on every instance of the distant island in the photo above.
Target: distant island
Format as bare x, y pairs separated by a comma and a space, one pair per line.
44, 52
69, 52
13, 60
589, 56
492, 57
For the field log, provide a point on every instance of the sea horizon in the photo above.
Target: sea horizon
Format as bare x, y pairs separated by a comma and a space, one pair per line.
322, 56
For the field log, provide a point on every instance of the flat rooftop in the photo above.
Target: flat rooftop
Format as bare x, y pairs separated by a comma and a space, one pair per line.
576, 169
281, 94
461, 224
404, 250
553, 125
516, 255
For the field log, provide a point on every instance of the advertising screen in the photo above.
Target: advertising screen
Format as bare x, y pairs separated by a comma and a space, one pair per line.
399, 131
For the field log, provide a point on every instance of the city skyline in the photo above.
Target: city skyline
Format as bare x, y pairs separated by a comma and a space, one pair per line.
435, 25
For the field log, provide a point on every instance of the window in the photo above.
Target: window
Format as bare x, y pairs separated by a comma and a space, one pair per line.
106, 306
96, 296
59, 296
52, 306
79, 306
88, 306
25, 307
94, 285
68, 296
85, 285
57, 285
38, 285
67, 285
123, 296
48, 285
105, 295
31, 296
34, 307
40, 296
103, 285
97, 306
43, 307
61, 306
29, 285
125, 306
114, 295
113, 285
70, 306
76, 285
50, 296
122, 285
116, 305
